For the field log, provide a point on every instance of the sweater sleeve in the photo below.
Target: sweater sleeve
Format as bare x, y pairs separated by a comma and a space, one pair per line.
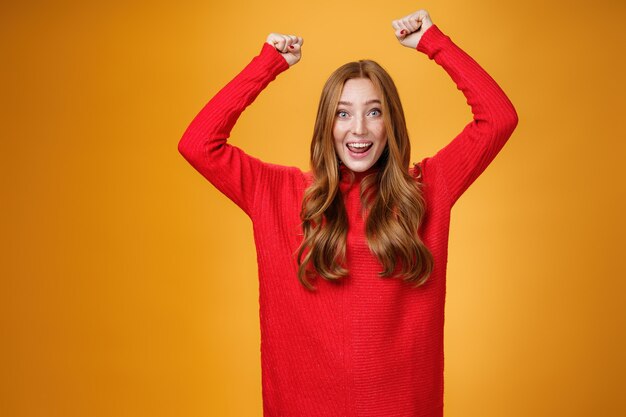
204, 145
468, 154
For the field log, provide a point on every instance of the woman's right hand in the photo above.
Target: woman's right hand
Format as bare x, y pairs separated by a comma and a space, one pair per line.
289, 46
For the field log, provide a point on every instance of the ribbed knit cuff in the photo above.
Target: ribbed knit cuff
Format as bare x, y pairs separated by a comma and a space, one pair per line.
431, 41
272, 60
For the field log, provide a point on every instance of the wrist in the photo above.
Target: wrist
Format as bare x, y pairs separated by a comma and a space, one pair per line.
273, 59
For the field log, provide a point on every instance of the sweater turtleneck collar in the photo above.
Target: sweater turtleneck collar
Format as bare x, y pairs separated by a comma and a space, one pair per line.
347, 175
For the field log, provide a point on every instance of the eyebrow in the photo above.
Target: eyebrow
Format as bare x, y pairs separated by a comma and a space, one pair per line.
347, 103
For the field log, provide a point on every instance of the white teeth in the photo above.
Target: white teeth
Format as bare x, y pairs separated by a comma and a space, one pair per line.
359, 145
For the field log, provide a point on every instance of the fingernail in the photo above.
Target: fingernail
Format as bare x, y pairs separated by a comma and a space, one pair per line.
402, 32
290, 46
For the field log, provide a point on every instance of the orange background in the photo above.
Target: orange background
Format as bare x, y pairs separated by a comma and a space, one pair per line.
128, 283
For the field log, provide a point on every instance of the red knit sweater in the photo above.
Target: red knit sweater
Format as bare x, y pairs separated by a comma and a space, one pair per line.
367, 346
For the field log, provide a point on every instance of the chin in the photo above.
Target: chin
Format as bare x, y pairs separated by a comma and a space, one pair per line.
358, 167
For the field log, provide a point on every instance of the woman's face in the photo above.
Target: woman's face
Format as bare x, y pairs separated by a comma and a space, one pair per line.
358, 129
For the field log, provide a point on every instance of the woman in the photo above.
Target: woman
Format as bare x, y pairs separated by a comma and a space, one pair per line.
345, 331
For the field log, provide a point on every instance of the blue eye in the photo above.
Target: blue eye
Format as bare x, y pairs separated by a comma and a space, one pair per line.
375, 112
342, 114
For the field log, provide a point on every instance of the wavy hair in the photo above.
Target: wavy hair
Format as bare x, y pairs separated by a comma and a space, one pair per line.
391, 198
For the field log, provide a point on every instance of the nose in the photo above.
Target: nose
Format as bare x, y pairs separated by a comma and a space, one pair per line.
359, 127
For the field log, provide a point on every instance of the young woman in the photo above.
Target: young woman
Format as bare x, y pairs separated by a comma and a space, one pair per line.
352, 255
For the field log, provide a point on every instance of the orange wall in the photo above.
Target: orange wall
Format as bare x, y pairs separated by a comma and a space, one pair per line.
128, 284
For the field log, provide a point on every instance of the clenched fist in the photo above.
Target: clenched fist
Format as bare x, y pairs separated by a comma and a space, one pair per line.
409, 29
289, 46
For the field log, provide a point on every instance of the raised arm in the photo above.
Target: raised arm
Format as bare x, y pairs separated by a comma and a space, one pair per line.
204, 144
495, 118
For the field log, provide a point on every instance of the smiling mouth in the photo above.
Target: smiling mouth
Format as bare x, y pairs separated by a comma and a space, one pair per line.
359, 147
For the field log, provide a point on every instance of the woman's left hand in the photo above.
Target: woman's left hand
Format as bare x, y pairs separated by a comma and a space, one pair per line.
409, 29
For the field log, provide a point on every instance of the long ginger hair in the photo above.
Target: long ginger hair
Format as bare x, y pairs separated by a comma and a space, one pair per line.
391, 198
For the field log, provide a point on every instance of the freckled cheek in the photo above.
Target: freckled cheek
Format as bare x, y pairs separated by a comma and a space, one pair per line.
338, 134
337, 139
379, 132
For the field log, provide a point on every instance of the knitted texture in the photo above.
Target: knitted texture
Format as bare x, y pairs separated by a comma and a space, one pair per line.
364, 346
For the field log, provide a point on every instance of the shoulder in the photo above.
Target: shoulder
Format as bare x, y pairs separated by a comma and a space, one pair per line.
416, 171
284, 180
308, 178
270, 171
426, 170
